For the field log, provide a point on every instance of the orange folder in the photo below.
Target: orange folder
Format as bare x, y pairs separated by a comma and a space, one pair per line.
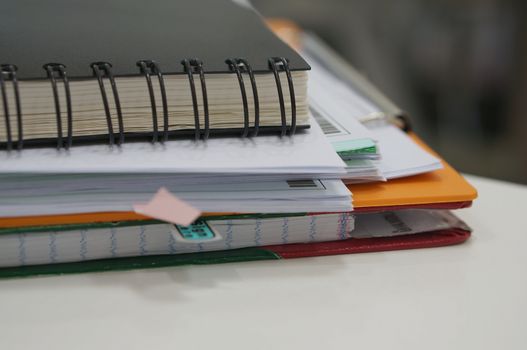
441, 188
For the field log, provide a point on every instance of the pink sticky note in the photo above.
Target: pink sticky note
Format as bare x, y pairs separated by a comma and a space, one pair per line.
167, 207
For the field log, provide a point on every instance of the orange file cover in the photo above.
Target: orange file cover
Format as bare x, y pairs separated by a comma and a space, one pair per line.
80, 218
444, 188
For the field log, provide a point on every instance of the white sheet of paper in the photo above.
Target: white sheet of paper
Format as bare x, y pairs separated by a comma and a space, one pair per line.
400, 155
405, 222
266, 197
339, 105
308, 152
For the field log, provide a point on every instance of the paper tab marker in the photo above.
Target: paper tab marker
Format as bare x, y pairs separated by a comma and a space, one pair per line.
198, 231
167, 207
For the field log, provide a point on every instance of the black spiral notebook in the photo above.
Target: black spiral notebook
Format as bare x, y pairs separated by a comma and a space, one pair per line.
113, 71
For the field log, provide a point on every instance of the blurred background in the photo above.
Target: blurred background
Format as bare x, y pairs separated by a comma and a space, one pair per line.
459, 68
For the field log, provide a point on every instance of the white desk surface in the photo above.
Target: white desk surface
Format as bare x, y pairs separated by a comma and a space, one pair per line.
471, 296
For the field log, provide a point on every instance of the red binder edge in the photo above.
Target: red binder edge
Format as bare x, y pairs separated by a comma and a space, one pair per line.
367, 245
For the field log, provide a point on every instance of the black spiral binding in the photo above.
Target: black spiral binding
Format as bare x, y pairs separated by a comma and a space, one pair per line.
274, 64
148, 67
10, 71
100, 68
234, 66
246, 67
190, 66
60, 69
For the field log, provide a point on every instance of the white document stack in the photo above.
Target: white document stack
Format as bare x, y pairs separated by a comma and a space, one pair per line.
256, 175
351, 120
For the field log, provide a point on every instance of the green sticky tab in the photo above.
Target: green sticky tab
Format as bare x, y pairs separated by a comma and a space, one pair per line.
198, 231
363, 151
354, 145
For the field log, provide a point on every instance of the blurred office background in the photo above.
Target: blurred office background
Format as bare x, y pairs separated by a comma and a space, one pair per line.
458, 67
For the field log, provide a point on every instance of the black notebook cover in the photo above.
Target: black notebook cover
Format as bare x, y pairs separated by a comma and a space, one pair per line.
76, 33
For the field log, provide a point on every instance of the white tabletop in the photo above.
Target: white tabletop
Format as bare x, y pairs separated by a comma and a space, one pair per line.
471, 296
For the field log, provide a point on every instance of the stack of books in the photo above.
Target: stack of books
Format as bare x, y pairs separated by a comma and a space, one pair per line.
186, 132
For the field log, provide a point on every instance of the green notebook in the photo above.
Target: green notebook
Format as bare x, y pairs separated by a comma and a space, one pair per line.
151, 243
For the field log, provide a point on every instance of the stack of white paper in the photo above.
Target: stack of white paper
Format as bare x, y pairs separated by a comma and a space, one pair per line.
401, 156
254, 175
249, 197
306, 153
340, 110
